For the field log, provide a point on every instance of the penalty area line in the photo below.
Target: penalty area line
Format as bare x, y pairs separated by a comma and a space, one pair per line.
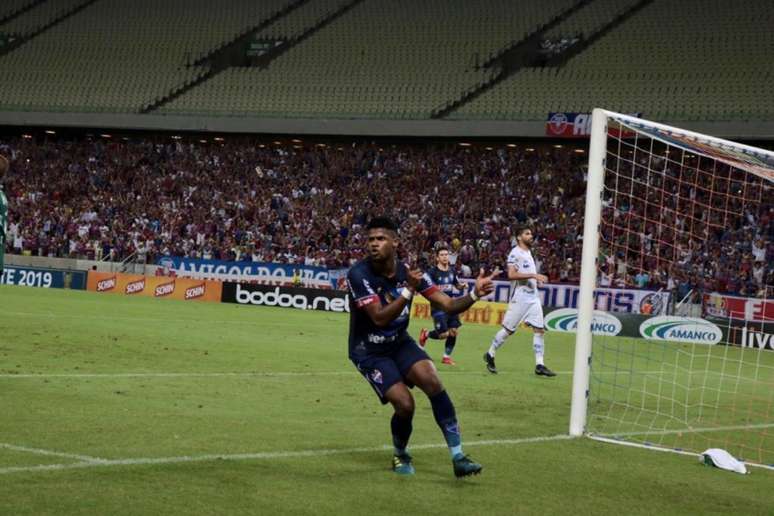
93, 462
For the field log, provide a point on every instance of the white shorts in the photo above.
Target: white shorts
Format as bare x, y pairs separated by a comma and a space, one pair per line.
522, 310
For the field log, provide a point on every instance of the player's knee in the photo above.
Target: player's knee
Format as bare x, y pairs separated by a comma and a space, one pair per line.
404, 406
432, 385
453, 333
539, 331
443, 335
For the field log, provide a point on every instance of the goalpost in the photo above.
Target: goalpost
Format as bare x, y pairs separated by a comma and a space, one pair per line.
683, 209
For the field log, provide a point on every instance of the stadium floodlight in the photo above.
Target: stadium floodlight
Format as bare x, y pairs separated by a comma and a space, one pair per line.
680, 209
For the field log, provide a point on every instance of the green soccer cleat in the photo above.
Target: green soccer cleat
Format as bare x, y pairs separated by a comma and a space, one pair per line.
464, 466
401, 464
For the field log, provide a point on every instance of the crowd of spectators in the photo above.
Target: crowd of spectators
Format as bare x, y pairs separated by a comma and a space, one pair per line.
306, 203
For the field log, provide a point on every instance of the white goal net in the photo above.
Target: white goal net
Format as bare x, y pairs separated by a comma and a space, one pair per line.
690, 216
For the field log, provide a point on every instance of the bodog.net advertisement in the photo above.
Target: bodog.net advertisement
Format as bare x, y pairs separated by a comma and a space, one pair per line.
182, 289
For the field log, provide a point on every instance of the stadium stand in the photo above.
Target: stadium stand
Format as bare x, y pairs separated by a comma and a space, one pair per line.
139, 53
713, 68
12, 8
590, 18
40, 16
296, 202
341, 72
301, 19
393, 59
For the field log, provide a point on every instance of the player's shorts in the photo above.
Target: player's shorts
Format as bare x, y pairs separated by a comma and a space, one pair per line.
382, 371
443, 322
523, 310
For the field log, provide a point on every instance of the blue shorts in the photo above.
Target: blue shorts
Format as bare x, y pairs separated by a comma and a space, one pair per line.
443, 322
382, 371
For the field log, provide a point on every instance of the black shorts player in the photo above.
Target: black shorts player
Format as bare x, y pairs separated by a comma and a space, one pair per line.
446, 280
383, 355
381, 290
446, 325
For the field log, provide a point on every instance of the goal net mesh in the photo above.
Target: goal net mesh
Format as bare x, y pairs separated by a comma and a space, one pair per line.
683, 214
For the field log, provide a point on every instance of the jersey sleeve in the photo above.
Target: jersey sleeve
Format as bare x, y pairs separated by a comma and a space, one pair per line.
513, 258
427, 286
360, 289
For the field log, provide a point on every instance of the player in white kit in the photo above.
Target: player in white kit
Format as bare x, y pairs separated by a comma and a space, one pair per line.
524, 305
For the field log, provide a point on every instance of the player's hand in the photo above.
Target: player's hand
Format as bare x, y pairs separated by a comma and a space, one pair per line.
484, 284
541, 279
414, 279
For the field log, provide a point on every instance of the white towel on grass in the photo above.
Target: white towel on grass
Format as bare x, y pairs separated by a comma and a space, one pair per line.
723, 460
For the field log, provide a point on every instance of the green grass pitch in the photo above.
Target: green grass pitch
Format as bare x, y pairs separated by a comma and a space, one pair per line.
115, 405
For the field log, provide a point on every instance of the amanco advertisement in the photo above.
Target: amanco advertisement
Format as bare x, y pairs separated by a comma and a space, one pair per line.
184, 289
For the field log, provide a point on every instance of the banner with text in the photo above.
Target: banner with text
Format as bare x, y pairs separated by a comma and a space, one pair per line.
43, 278
619, 300
328, 300
577, 125
183, 289
562, 320
742, 308
263, 273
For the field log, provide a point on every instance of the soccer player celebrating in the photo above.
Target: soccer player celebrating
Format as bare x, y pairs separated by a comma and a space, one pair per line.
381, 289
524, 305
446, 325
4, 166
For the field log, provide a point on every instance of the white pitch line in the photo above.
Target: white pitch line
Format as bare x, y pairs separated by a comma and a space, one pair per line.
247, 374
690, 430
178, 375
668, 450
263, 455
39, 451
52, 315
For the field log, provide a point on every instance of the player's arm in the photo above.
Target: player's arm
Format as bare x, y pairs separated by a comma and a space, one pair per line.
459, 285
366, 299
514, 274
455, 305
383, 315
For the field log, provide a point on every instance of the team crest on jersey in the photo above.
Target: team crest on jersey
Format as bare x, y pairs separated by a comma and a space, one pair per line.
376, 376
526, 264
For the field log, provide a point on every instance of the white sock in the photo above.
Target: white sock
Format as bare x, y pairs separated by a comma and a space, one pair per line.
539, 346
499, 340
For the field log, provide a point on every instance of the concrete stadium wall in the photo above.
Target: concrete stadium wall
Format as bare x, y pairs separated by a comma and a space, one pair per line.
752, 130
71, 264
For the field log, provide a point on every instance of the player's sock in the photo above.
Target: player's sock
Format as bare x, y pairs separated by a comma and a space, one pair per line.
446, 417
401, 431
538, 345
450, 343
433, 334
499, 340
